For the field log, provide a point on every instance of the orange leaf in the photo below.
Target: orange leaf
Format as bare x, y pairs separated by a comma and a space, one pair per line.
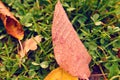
69, 51
30, 44
60, 74
12, 25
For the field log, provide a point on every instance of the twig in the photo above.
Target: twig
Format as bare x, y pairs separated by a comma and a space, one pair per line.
95, 75
103, 73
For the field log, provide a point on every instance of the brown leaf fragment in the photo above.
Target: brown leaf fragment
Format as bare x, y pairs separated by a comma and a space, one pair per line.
118, 53
29, 44
12, 25
59, 74
70, 53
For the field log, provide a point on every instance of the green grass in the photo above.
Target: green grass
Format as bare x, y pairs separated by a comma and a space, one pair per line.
97, 23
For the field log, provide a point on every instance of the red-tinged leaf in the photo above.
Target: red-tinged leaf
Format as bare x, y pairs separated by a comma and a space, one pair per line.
12, 25
69, 51
30, 44
119, 53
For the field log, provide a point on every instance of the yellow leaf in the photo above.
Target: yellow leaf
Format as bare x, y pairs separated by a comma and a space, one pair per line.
60, 74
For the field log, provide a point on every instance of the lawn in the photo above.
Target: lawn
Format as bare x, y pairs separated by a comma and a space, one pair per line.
97, 23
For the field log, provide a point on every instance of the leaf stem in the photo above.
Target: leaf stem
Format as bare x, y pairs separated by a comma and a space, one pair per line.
21, 47
102, 72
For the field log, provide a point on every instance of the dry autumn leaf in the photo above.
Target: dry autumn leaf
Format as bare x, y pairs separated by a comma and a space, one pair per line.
12, 25
30, 44
118, 53
60, 74
69, 51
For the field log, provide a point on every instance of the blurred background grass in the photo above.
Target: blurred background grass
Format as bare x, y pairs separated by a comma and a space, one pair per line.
97, 23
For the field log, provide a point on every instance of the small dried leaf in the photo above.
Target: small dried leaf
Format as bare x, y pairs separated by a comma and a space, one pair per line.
30, 44
12, 25
119, 53
60, 74
69, 51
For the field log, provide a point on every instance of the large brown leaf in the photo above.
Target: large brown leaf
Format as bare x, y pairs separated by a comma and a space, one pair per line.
69, 51
12, 25
59, 74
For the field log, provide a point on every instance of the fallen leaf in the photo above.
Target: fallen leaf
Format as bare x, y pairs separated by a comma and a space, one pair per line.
29, 44
70, 53
12, 25
60, 74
